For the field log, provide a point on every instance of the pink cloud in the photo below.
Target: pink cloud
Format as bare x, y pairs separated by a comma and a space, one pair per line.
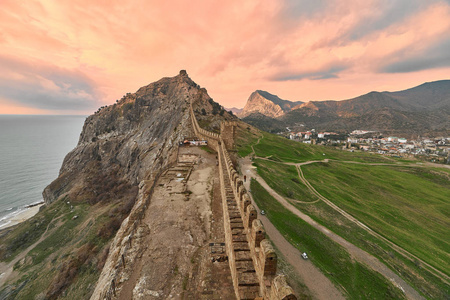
230, 47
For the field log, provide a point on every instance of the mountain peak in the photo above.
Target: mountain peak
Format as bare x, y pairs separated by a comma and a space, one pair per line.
308, 104
267, 104
257, 102
423, 109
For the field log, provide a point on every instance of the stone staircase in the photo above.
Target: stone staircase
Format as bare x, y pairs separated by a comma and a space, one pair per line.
252, 259
247, 281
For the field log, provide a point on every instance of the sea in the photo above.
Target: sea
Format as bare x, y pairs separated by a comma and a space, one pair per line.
32, 149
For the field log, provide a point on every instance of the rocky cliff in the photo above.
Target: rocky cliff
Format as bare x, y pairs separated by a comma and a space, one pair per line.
135, 136
62, 250
267, 104
424, 110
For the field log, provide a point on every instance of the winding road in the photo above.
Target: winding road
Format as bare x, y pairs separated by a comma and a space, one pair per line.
399, 249
444, 277
318, 284
356, 252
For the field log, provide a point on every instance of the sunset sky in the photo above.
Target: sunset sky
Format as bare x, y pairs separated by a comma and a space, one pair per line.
70, 57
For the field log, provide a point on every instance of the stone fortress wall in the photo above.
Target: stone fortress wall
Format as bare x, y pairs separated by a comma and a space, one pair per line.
252, 259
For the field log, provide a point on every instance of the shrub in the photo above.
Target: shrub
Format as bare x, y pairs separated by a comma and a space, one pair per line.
295, 180
69, 270
110, 228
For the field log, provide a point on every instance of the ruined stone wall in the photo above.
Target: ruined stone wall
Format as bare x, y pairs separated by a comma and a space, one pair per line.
228, 133
262, 253
252, 259
211, 137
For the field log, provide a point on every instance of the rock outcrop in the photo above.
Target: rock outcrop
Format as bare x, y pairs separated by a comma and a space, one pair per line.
137, 136
266, 104
424, 110
100, 191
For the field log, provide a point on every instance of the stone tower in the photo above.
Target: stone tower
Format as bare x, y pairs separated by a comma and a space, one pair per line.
228, 132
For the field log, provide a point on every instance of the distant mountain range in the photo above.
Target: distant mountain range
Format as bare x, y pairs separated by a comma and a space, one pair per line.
422, 110
235, 110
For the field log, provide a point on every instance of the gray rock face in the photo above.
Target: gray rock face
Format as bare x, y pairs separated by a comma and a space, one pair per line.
257, 103
267, 104
131, 139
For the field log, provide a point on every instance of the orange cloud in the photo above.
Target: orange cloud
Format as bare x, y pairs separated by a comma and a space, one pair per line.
299, 50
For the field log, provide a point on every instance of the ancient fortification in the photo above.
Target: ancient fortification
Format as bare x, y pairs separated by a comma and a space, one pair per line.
252, 259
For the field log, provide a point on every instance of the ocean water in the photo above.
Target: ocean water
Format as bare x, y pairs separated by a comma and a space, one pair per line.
32, 149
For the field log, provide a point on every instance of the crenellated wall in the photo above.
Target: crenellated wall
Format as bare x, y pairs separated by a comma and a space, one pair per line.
252, 259
228, 133
211, 137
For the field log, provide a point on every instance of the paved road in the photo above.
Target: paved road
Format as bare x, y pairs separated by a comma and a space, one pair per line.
444, 277
318, 284
349, 217
359, 254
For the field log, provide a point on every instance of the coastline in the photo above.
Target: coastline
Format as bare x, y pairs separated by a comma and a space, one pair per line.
22, 216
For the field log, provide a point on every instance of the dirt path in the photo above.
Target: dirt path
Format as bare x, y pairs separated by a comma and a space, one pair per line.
444, 277
181, 221
7, 269
314, 279
356, 252
349, 217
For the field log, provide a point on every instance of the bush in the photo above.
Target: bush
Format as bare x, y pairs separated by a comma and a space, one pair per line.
69, 271
295, 180
110, 228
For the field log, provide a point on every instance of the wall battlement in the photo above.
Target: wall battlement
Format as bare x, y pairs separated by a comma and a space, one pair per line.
252, 258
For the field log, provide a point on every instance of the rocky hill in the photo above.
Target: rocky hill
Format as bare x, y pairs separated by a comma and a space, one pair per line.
265, 123
235, 110
267, 104
61, 251
424, 109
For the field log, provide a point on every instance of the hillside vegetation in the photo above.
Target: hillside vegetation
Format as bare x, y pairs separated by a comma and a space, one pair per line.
424, 110
405, 203
408, 205
357, 281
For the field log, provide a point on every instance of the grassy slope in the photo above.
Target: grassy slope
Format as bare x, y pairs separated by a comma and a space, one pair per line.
280, 176
394, 201
355, 280
247, 136
282, 149
282, 179
71, 246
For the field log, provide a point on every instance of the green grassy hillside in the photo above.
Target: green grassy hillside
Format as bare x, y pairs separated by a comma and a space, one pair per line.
277, 148
410, 206
406, 203
355, 280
